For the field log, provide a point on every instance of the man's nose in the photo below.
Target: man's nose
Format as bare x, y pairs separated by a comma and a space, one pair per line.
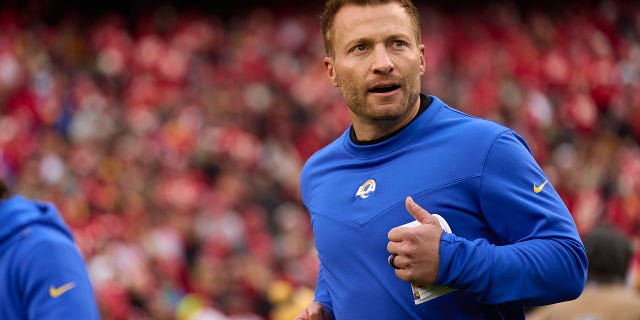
382, 61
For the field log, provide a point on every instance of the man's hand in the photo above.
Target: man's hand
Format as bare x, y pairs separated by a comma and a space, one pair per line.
315, 311
417, 248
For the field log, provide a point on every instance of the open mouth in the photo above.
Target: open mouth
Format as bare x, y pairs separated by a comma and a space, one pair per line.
384, 89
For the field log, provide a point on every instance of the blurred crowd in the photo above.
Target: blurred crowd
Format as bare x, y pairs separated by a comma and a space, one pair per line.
172, 143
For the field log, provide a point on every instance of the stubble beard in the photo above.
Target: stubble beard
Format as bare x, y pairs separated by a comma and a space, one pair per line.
356, 101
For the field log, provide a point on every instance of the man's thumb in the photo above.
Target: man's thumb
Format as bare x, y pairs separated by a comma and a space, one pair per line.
418, 212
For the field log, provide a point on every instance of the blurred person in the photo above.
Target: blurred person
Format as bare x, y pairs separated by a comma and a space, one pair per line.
406, 155
42, 272
606, 295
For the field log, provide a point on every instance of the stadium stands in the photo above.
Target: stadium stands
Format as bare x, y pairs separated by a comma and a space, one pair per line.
172, 139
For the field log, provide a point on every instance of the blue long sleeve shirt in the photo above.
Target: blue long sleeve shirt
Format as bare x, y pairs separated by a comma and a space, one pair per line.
514, 242
42, 273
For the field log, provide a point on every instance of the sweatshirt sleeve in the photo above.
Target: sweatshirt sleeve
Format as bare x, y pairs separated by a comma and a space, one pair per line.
540, 258
56, 283
322, 291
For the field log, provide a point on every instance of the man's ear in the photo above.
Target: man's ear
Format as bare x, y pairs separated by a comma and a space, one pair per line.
331, 71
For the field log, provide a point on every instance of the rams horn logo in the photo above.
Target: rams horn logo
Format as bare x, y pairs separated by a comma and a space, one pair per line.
366, 189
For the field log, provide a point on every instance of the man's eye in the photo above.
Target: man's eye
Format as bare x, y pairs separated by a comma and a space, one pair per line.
360, 47
399, 43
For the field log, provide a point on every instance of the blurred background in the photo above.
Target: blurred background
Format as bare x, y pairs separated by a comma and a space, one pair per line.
171, 134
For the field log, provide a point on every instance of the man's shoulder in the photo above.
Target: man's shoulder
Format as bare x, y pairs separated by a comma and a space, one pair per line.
600, 300
321, 162
37, 236
450, 113
329, 152
464, 128
619, 293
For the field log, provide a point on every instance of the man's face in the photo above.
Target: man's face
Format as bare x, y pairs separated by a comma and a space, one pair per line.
377, 62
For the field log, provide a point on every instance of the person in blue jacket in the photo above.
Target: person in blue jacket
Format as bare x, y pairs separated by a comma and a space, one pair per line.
510, 242
42, 272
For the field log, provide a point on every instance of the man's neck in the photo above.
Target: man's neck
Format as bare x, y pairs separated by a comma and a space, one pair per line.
362, 137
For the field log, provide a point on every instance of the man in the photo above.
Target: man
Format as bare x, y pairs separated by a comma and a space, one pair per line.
42, 273
606, 295
407, 155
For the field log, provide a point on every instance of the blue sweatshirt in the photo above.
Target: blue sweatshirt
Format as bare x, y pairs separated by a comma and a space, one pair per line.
514, 243
42, 273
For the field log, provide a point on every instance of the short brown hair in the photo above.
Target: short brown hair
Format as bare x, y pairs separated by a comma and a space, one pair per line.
609, 253
331, 8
